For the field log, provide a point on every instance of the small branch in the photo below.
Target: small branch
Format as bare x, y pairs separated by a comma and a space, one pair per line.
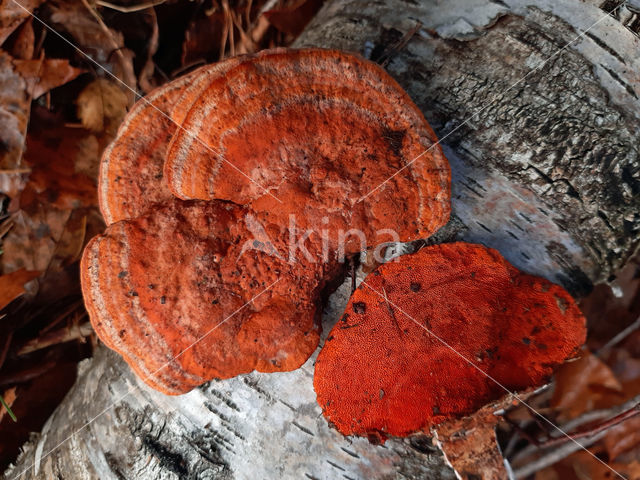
606, 425
59, 336
619, 337
559, 448
131, 8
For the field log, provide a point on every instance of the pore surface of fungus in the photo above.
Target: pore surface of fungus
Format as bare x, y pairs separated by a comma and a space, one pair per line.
396, 362
323, 134
172, 292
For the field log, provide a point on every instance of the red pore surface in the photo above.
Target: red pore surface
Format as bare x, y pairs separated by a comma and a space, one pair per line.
322, 134
417, 335
177, 293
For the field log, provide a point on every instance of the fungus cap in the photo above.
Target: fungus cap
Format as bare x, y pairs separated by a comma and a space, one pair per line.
131, 169
179, 297
319, 133
393, 364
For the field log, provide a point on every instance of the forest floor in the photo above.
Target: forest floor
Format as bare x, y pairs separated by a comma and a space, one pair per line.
69, 72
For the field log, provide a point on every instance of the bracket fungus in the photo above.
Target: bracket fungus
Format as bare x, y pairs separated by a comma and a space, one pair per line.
197, 307
320, 133
417, 335
192, 176
131, 169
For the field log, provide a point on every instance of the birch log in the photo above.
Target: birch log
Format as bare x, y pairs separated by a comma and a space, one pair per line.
536, 102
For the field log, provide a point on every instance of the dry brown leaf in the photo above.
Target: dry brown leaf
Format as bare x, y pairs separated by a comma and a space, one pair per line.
14, 113
470, 444
582, 466
622, 438
13, 15
64, 164
202, 39
583, 385
12, 285
32, 241
102, 105
24, 43
44, 75
292, 19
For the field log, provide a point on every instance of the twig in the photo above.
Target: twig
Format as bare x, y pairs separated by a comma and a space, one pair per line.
619, 337
557, 452
555, 455
612, 422
393, 49
66, 312
391, 312
130, 8
106, 31
59, 336
5, 349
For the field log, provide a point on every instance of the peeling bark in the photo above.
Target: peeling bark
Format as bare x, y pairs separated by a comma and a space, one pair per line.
545, 169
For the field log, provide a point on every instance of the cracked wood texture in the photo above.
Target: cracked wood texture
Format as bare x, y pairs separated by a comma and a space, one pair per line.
545, 169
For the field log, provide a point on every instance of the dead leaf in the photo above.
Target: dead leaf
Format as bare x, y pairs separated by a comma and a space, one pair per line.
203, 38
582, 466
14, 113
583, 385
32, 241
13, 15
622, 438
470, 444
102, 105
44, 75
103, 44
24, 43
64, 164
70, 244
292, 19
12, 285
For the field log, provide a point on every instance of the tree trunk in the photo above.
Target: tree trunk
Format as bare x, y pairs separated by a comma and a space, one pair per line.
545, 168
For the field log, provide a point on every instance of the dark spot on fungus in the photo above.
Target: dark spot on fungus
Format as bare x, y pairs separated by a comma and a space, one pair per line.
415, 286
122, 274
163, 300
359, 307
526, 340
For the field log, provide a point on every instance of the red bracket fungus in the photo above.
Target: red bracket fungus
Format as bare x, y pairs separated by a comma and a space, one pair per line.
393, 364
181, 311
131, 170
312, 132
319, 129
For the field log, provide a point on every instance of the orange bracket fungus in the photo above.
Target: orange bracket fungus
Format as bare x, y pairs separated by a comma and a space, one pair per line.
220, 159
174, 294
436, 335
312, 132
131, 168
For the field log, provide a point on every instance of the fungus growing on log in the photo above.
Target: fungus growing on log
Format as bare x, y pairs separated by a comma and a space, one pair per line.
182, 188
397, 362
172, 293
320, 133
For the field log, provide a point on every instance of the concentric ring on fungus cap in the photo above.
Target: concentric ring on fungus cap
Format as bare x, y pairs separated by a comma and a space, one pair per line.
131, 169
174, 292
319, 130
